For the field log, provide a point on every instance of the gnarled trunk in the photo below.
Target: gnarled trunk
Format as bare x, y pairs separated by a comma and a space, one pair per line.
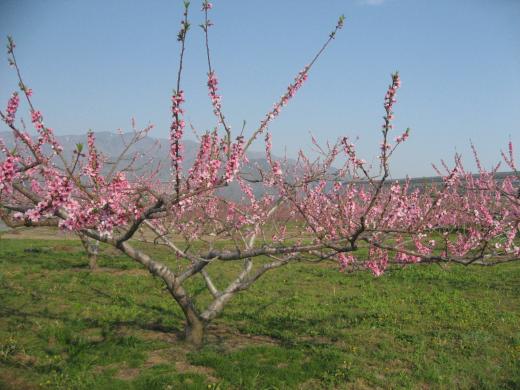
195, 331
195, 325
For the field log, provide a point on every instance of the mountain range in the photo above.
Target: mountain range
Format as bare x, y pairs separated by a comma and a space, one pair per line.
152, 153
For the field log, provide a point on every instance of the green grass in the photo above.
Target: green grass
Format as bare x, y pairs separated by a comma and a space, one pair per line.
304, 326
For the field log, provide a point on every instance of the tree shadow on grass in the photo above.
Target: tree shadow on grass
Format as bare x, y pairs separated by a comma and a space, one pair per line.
128, 302
79, 324
49, 255
44, 260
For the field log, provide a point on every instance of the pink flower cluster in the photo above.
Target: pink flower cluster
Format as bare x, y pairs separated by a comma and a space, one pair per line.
57, 195
279, 237
294, 87
205, 169
8, 173
93, 167
389, 116
12, 107
349, 150
403, 137
214, 96
110, 209
46, 133
401, 257
233, 163
206, 6
390, 95
345, 260
509, 159
177, 129
378, 261
299, 80
37, 119
276, 167
254, 211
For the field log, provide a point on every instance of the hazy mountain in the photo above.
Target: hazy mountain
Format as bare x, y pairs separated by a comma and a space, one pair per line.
151, 152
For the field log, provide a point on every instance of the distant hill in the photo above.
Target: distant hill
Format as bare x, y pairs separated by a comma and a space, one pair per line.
153, 152
156, 150
111, 145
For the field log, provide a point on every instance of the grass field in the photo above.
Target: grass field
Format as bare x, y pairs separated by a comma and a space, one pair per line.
303, 327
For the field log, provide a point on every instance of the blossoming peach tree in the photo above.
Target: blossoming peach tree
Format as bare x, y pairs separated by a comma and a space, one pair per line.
312, 210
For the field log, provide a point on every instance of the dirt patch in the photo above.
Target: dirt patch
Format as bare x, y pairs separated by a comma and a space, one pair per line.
311, 384
231, 339
169, 356
127, 374
101, 369
13, 381
157, 357
24, 359
185, 367
177, 356
93, 335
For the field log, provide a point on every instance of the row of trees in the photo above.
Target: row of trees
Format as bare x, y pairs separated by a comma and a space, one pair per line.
312, 210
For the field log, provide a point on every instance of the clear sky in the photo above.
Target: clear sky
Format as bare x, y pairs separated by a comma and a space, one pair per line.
95, 64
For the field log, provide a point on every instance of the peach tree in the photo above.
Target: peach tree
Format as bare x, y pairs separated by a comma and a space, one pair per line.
311, 209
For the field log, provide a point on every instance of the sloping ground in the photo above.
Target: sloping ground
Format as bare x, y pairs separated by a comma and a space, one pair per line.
306, 327
36, 233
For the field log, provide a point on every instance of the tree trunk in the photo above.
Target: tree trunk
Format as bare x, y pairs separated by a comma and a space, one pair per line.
194, 332
195, 325
92, 248
92, 260
92, 251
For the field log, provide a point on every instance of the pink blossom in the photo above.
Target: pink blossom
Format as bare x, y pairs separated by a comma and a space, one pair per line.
177, 130
94, 166
214, 96
8, 173
284, 100
378, 261
390, 99
36, 118
233, 162
12, 107
345, 260
46, 133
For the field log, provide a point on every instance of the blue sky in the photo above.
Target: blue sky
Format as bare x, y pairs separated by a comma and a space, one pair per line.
95, 64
